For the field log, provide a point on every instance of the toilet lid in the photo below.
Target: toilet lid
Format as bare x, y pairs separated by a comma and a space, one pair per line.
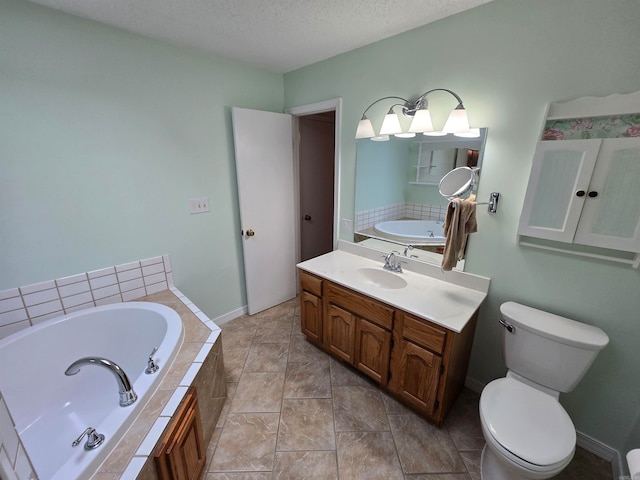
527, 422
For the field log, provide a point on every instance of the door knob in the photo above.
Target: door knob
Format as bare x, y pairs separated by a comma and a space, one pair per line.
250, 233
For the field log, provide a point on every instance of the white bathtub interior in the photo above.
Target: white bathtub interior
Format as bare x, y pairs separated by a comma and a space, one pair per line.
420, 231
51, 409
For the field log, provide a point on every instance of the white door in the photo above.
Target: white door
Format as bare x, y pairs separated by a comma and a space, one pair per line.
264, 164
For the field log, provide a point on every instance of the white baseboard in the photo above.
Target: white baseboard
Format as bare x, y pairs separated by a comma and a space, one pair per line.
590, 444
227, 317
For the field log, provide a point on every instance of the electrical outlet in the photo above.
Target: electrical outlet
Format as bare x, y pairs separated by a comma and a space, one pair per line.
347, 226
198, 205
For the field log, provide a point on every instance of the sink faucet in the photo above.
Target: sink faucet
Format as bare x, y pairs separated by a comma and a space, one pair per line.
392, 263
127, 395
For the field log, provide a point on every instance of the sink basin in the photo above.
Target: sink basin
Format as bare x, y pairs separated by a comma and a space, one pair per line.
381, 278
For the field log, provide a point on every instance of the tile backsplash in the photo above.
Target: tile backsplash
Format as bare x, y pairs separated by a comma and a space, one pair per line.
415, 211
23, 307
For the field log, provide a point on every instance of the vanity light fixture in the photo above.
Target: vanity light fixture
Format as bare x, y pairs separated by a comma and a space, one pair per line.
418, 109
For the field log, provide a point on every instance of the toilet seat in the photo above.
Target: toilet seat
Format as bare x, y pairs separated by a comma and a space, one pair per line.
527, 426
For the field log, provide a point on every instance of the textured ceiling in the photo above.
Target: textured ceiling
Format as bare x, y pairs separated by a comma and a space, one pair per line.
278, 35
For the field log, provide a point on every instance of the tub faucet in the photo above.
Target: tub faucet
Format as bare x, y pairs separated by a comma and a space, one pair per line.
127, 395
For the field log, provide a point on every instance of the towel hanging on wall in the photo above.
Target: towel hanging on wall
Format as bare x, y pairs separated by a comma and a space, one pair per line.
459, 222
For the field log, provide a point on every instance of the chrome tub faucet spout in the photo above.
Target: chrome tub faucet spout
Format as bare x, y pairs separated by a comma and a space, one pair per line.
127, 395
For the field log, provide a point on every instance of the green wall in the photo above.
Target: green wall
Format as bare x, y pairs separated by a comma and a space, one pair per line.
104, 136
508, 59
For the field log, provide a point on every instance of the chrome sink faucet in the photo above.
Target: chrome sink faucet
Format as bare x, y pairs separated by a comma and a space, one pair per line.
392, 263
127, 395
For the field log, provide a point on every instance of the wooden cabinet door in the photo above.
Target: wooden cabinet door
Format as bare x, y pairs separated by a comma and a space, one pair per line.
181, 454
339, 337
416, 376
372, 350
311, 316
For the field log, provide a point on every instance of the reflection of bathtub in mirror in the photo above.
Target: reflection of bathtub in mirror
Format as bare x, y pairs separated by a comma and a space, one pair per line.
415, 232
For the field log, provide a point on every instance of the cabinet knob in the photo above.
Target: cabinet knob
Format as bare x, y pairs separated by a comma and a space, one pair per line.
307, 218
593, 194
580, 193
250, 233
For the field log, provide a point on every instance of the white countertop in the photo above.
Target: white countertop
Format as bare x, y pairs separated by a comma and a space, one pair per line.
448, 299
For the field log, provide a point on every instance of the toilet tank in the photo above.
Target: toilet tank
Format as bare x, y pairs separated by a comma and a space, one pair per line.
548, 349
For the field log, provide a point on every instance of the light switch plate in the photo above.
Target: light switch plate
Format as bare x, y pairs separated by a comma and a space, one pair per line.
198, 205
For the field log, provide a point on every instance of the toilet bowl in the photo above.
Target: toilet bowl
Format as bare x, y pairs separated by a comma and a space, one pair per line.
528, 434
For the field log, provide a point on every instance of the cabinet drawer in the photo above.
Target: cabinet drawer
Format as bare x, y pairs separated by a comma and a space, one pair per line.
423, 333
310, 283
365, 307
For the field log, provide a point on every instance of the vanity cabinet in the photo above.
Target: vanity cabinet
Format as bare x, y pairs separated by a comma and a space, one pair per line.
358, 330
181, 454
311, 307
419, 362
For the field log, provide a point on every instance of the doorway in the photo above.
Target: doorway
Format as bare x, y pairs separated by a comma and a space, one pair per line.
317, 170
316, 147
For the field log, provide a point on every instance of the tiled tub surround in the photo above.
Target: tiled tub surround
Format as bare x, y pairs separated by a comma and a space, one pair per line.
366, 219
199, 361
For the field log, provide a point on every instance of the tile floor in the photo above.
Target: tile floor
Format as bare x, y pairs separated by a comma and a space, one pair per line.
293, 412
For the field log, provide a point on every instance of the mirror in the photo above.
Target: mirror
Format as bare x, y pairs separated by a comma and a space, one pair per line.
459, 182
399, 180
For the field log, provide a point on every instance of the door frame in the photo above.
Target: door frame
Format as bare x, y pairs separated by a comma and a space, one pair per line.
334, 104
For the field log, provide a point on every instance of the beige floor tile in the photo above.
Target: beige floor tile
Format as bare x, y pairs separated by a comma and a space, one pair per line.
342, 375
258, 392
267, 357
424, 448
300, 350
234, 361
247, 443
306, 424
238, 476
438, 476
471, 460
274, 331
316, 465
463, 422
308, 380
367, 455
358, 408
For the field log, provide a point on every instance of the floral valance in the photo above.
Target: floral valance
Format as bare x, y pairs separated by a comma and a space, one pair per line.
608, 126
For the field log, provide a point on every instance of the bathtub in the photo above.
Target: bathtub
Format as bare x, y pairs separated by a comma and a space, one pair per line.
50, 410
419, 232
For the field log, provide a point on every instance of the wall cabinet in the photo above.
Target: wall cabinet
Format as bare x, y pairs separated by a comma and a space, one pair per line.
583, 182
419, 362
583, 192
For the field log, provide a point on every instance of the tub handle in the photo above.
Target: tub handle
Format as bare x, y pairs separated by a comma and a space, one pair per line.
152, 367
94, 439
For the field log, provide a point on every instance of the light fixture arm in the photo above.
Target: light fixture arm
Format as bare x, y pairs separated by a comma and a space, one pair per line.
379, 100
421, 102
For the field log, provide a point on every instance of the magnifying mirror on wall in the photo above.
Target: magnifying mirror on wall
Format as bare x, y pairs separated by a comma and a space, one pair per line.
459, 182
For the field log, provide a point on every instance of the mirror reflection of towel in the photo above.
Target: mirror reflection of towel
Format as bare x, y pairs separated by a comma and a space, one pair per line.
459, 222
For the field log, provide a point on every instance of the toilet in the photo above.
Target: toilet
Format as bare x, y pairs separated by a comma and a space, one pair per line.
528, 434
